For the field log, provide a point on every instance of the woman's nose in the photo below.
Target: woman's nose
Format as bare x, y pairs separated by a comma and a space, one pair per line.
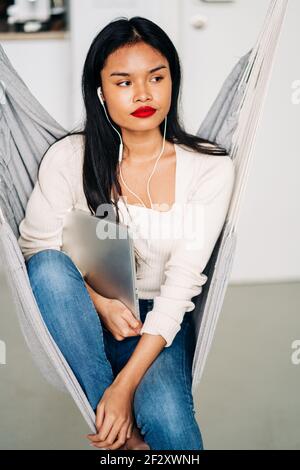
142, 94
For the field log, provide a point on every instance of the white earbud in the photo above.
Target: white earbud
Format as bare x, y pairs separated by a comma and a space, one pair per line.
100, 96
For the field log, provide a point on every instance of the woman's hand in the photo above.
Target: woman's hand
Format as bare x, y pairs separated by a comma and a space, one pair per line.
117, 318
114, 418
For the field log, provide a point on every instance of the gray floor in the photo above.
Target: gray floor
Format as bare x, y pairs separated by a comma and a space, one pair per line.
248, 398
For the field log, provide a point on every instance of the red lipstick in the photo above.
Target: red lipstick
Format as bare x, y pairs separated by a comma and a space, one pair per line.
143, 112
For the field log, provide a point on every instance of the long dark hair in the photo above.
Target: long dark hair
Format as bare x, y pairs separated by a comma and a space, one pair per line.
100, 166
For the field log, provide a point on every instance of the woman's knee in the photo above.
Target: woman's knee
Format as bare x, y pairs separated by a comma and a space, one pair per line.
51, 269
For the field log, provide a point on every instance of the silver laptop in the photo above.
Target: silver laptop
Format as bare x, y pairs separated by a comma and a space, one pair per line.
104, 252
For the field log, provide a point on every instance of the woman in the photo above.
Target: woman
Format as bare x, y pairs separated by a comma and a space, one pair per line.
137, 375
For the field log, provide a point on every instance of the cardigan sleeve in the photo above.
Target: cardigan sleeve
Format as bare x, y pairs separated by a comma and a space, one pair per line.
51, 197
208, 202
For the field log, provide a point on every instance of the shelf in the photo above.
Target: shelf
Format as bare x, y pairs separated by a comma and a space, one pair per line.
11, 36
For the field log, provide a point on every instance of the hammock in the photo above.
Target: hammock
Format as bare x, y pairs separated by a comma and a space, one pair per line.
27, 131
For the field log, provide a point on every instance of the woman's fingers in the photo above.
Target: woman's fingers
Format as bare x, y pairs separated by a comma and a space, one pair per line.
133, 322
129, 430
121, 438
124, 327
114, 440
99, 415
104, 430
110, 439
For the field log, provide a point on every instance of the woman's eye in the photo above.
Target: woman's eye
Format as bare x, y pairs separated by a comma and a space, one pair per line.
160, 78
128, 81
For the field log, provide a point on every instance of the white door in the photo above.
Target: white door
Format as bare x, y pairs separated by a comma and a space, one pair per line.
213, 36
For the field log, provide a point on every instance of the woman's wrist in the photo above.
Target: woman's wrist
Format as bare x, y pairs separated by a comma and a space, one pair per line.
98, 300
124, 382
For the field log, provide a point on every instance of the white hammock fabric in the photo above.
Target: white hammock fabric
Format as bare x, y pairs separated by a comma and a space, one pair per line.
27, 131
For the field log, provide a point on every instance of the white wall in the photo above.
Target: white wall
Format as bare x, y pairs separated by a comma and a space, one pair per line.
269, 227
45, 67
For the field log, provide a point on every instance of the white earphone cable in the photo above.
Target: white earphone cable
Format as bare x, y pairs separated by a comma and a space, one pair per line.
99, 93
148, 182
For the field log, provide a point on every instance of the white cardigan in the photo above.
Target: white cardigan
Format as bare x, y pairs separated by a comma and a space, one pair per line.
172, 273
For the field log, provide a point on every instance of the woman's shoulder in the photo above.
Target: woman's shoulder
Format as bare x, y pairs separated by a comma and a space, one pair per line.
76, 141
63, 157
64, 151
70, 143
206, 174
199, 163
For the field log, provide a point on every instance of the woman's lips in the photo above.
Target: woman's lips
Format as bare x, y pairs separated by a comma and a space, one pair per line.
144, 112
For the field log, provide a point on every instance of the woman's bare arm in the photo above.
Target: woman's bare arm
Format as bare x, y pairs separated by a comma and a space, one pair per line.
146, 351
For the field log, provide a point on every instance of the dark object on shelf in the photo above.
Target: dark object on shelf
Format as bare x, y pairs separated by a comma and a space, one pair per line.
28, 17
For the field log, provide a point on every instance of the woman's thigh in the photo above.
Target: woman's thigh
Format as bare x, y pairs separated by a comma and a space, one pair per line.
71, 319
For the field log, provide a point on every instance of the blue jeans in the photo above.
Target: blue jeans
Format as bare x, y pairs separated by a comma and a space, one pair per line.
163, 403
